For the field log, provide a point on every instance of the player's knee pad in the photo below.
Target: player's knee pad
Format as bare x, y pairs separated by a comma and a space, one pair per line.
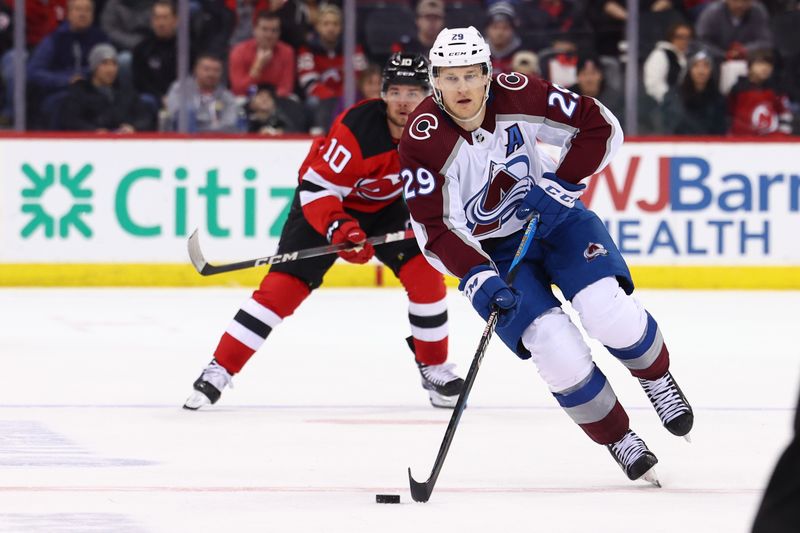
609, 315
423, 283
557, 348
282, 293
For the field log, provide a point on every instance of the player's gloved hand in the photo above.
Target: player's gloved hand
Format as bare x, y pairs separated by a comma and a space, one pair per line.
348, 230
552, 198
486, 290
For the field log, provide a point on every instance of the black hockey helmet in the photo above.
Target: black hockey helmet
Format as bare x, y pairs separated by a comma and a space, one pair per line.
406, 69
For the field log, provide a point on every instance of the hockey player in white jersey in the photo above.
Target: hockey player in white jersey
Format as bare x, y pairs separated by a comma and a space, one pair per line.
473, 174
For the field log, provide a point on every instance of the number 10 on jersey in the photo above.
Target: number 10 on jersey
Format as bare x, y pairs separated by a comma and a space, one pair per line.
421, 182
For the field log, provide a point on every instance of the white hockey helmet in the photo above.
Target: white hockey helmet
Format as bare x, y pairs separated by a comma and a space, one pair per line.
459, 47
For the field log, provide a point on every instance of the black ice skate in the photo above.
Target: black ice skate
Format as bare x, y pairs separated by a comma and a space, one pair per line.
635, 459
208, 387
442, 384
670, 404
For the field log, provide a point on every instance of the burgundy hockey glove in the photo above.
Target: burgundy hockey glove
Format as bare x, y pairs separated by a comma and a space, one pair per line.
348, 230
486, 290
552, 198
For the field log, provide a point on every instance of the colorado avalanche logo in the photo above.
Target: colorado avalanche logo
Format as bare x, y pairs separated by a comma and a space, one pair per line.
593, 251
513, 81
422, 126
377, 190
497, 201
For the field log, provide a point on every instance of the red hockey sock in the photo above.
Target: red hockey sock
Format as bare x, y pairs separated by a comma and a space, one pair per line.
427, 310
277, 297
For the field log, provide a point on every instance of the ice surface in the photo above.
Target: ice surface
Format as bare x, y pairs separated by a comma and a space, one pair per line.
330, 412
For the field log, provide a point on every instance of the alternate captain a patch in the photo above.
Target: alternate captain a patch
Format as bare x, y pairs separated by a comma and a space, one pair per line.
515, 139
593, 251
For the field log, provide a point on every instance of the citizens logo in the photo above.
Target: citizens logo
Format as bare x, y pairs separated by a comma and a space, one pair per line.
57, 200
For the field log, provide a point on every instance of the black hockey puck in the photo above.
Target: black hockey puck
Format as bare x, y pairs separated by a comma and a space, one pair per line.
387, 498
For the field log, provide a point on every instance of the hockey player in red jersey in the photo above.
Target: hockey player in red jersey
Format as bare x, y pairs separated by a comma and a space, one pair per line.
349, 188
473, 174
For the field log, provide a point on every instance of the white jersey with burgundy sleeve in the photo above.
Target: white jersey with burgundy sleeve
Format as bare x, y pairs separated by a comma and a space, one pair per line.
463, 187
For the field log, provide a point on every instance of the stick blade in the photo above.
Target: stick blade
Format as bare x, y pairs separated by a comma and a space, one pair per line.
420, 492
195, 254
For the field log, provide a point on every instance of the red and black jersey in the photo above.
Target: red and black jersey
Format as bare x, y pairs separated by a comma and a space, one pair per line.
319, 69
355, 167
758, 109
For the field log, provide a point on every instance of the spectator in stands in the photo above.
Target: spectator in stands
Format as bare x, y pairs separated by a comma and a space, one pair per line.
501, 34
429, 21
755, 105
608, 18
559, 62
126, 22
265, 116
263, 59
295, 17
591, 82
732, 29
549, 17
370, 82
526, 62
100, 104
212, 23
212, 108
42, 17
62, 57
155, 59
666, 65
695, 106
320, 68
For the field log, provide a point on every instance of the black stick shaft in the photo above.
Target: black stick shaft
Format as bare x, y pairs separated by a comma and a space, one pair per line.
207, 269
421, 492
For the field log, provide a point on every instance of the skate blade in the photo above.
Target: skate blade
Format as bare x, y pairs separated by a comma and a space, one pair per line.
196, 401
443, 402
651, 477
688, 438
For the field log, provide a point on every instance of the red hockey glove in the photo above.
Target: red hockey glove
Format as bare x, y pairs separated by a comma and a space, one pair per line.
348, 230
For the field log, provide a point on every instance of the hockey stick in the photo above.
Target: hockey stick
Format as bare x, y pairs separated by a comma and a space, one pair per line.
207, 269
421, 492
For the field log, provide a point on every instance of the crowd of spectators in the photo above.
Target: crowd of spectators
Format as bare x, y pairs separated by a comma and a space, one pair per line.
721, 67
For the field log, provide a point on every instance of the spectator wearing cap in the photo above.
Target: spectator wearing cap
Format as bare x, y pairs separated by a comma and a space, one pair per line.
429, 22
155, 59
263, 59
666, 64
695, 106
591, 82
212, 107
62, 57
501, 34
100, 104
732, 29
755, 104
526, 62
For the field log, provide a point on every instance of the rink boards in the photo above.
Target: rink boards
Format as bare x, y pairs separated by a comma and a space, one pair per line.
110, 211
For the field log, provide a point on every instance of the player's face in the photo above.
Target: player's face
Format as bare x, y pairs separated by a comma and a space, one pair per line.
463, 89
401, 100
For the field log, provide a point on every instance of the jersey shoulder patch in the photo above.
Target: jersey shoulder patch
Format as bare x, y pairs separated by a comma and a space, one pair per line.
367, 122
429, 137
